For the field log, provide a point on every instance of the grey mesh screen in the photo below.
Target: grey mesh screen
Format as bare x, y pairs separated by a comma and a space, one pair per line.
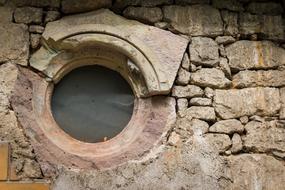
91, 103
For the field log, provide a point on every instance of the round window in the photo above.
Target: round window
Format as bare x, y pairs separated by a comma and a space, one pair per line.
92, 103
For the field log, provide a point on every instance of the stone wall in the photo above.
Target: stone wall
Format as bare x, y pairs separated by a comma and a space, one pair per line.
229, 90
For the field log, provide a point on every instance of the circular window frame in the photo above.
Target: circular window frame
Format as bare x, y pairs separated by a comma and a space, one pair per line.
152, 115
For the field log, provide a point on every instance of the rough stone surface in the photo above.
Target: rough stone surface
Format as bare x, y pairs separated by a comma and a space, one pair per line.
51, 16
14, 40
209, 92
270, 78
33, 3
199, 112
186, 166
6, 14
254, 171
255, 55
236, 143
268, 27
225, 40
230, 20
264, 137
28, 15
188, 91
182, 104
213, 77
224, 66
183, 77
202, 20
74, 6
36, 29
250, 101
191, 2
10, 130
229, 126
185, 62
244, 120
144, 14
204, 51
195, 126
270, 8
220, 142
200, 102
35, 40
232, 5
282, 97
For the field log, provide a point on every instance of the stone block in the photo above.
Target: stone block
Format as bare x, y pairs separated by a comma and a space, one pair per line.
247, 102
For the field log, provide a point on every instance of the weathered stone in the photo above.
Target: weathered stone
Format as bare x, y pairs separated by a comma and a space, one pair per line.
213, 78
28, 15
166, 56
74, 6
232, 5
35, 40
271, 78
32, 169
151, 3
51, 16
174, 139
183, 77
188, 91
219, 142
144, 14
222, 51
270, 8
230, 126
197, 126
257, 118
6, 14
185, 62
196, 20
279, 154
250, 101
209, 92
268, 27
282, 97
36, 29
264, 137
256, 171
230, 20
225, 40
14, 40
182, 104
204, 51
191, 2
161, 25
244, 120
203, 113
200, 102
255, 55
236, 143
224, 65
33, 3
